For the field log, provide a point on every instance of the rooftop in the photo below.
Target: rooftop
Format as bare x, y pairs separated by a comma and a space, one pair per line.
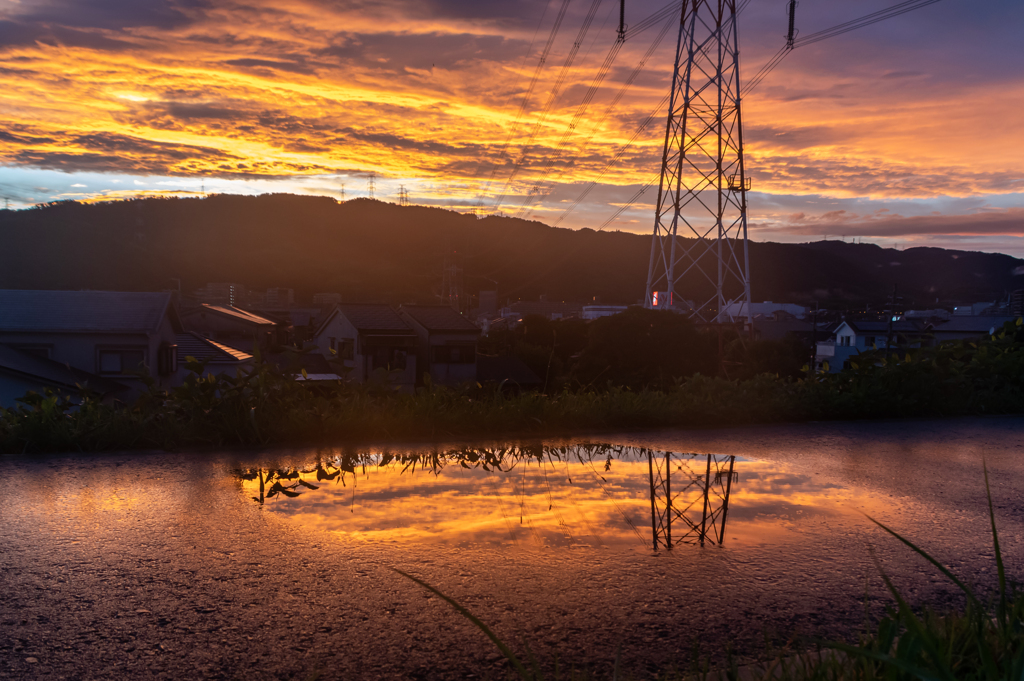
54, 373
237, 314
82, 311
439, 318
977, 325
372, 317
193, 345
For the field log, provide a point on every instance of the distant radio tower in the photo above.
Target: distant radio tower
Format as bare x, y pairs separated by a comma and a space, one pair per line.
371, 184
403, 196
342, 191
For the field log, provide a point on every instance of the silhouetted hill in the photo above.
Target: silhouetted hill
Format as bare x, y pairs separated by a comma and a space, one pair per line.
367, 250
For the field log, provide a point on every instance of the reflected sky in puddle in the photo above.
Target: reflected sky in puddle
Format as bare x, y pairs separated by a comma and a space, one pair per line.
580, 496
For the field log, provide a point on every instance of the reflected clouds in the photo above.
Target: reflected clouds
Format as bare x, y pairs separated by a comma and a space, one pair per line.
582, 496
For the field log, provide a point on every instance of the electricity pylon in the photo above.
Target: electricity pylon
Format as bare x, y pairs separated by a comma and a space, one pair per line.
690, 495
699, 248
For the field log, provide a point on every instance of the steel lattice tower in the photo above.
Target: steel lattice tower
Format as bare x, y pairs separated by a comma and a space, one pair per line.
689, 497
699, 248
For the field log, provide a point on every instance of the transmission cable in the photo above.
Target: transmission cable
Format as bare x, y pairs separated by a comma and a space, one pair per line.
533, 83
839, 29
611, 106
552, 96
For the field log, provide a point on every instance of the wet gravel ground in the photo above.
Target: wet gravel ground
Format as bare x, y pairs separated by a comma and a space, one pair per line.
157, 566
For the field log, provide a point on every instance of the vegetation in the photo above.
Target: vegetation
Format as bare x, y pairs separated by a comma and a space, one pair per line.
374, 250
983, 642
262, 406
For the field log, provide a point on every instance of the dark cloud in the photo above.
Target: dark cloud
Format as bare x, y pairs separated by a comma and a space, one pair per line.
1008, 222
22, 34
111, 152
114, 14
292, 66
795, 138
395, 52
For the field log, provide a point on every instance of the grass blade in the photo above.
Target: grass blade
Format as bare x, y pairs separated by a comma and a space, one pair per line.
476, 621
924, 554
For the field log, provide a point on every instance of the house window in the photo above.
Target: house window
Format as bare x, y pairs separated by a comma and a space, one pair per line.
121, 361
334, 343
390, 359
453, 354
347, 349
869, 341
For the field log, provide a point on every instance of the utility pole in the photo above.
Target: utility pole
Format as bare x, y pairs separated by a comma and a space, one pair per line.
342, 191
622, 21
403, 196
700, 223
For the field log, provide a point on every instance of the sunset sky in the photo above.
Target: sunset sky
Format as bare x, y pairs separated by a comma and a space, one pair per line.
906, 132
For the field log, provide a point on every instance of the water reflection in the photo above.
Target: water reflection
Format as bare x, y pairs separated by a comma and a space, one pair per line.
578, 495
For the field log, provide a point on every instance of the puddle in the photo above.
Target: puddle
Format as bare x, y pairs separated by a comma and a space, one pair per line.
584, 496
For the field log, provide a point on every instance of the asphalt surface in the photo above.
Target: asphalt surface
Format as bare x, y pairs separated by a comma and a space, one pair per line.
143, 565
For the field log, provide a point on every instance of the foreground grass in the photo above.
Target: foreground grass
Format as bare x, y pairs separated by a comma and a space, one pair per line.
982, 642
260, 406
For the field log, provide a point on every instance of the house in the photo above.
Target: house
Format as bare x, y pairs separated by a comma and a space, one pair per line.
233, 326
109, 334
597, 311
22, 372
959, 328
368, 338
218, 358
447, 343
765, 309
854, 337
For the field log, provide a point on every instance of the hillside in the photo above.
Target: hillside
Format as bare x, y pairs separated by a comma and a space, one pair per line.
370, 250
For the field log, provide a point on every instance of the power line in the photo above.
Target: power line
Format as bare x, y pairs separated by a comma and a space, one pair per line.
552, 96
615, 101
776, 59
838, 29
533, 82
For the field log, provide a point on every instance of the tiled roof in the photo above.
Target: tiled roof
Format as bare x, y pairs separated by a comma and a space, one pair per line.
373, 317
82, 311
237, 314
193, 345
901, 326
439, 318
979, 325
53, 373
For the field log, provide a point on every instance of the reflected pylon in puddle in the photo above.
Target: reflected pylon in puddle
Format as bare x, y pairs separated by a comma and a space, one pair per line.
689, 497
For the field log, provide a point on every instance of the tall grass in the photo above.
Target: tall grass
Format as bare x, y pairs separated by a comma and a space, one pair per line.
982, 642
262, 406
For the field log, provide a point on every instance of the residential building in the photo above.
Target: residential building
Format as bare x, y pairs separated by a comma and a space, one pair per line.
216, 358
230, 294
23, 372
551, 309
367, 338
765, 309
597, 311
109, 334
959, 328
853, 337
447, 343
233, 326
